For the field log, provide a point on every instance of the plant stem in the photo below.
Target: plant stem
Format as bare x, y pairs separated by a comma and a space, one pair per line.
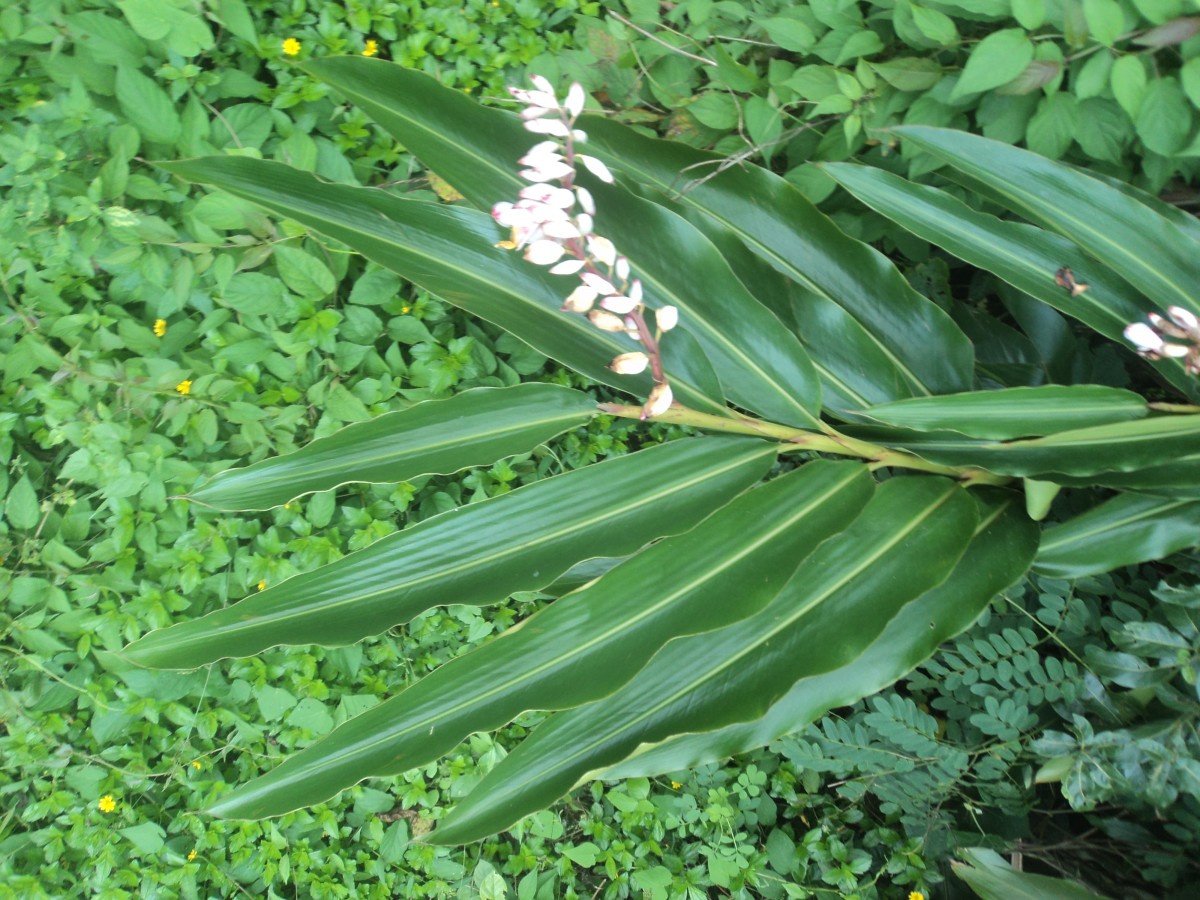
831, 441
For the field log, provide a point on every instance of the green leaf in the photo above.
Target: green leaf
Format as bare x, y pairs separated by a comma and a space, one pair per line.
1164, 118
1132, 239
1105, 20
1022, 255
991, 878
1123, 531
998, 556
1128, 80
790, 34
1189, 77
761, 366
909, 73
908, 539
147, 838
234, 16
448, 250
1118, 447
474, 428
21, 508
1053, 126
585, 645
1030, 14
478, 553
936, 26
997, 59
864, 326
304, 273
1013, 412
147, 106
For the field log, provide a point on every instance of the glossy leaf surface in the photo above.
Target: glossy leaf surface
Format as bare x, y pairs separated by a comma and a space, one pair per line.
447, 250
1014, 412
1025, 256
998, 556
874, 308
480, 553
474, 428
761, 365
1130, 238
585, 645
907, 540
1123, 531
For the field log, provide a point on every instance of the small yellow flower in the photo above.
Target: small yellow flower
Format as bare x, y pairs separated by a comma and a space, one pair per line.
160, 327
916, 895
291, 47
405, 310
184, 387
196, 764
371, 49
676, 785
107, 804
262, 584
191, 856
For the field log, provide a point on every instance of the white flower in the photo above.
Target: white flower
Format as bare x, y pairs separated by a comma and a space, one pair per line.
602, 249
1145, 338
568, 267
602, 285
630, 363
658, 402
548, 171
580, 300
619, 304
593, 165
667, 318
563, 230
548, 126
635, 290
606, 321
575, 99
544, 252
586, 203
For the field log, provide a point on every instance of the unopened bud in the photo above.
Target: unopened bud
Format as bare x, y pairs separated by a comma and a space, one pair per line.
606, 321
658, 402
667, 318
579, 300
630, 363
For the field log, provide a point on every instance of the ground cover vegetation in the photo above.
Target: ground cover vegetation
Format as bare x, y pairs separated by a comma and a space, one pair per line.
156, 333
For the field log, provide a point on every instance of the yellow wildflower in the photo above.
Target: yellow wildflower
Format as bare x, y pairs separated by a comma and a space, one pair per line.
107, 804
191, 856
291, 47
262, 584
916, 895
160, 327
196, 764
405, 310
676, 785
371, 49
184, 387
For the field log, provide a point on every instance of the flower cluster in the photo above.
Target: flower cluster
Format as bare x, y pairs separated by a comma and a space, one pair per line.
552, 222
1177, 337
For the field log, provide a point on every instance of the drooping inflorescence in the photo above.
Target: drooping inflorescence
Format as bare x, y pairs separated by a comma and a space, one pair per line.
552, 221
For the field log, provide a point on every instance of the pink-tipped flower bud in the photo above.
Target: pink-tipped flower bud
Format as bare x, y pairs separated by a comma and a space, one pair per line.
1184, 319
619, 304
1144, 338
567, 267
579, 300
658, 402
630, 363
602, 249
667, 317
543, 252
602, 285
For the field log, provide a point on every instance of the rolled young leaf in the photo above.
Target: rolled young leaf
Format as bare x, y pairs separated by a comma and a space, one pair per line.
1133, 240
908, 539
584, 646
760, 364
1123, 531
474, 428
1025, 256
480, 553
998, 556
1013, 412
447, 250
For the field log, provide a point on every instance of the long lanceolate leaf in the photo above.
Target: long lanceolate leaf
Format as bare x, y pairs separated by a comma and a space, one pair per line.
1084, 454
908, 539
855, 294
761, 364
585, 645
1143, 247
1025, 256
1125, 530
999, 555
479, 553
446, 250
474, 428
